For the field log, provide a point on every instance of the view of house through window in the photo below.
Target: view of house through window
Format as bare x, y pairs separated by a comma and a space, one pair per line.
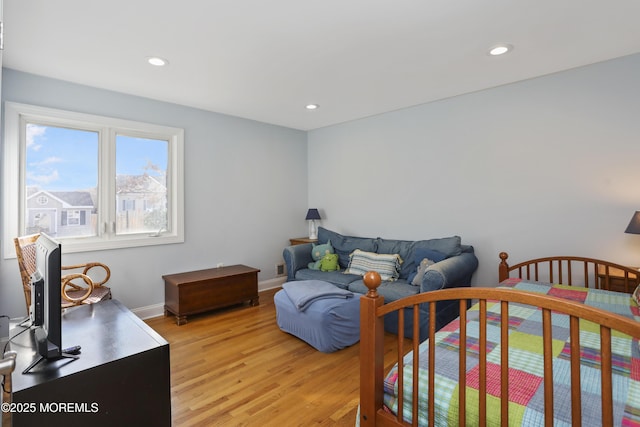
61, 181
141, 184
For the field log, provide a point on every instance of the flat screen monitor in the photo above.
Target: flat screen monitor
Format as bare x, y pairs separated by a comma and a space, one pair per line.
47, 308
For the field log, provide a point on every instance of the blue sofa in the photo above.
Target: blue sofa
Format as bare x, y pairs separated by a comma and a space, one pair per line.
454, 270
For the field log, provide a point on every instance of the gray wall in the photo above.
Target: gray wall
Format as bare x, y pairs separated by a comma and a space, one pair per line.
546, 166
245, 191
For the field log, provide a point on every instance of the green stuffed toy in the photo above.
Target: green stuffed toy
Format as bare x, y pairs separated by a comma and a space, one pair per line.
329, 262
317, 252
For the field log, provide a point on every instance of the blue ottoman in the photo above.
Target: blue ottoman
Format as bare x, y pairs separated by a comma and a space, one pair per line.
328, 322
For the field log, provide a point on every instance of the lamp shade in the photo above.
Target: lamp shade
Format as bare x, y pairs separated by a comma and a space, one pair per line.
634, 224
313, 214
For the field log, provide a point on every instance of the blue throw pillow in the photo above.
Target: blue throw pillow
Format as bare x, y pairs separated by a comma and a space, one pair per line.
345, 245
448, 246
422, 253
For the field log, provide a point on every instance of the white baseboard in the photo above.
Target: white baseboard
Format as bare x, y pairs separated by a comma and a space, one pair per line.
149, 311
156, 310
271, 283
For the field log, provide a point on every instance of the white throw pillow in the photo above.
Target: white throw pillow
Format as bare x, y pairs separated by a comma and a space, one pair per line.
387, 265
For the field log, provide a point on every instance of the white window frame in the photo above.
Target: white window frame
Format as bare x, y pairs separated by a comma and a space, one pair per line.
14, 181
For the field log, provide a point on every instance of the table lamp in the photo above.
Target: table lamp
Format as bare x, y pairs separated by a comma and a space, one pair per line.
312, 216
634, 224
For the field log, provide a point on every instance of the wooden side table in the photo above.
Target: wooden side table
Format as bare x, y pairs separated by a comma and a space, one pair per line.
616, 280
301, 241
203, 290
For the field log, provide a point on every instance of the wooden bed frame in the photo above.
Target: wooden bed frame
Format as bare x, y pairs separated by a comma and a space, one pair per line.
569, 270
561, 268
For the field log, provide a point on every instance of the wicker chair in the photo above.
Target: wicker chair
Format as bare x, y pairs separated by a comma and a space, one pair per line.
76, 288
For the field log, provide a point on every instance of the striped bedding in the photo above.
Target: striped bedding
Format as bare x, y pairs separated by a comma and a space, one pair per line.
526, 392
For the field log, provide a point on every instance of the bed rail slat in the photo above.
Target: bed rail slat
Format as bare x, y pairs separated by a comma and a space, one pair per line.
483, 363
605, 371
400, 352
576, 397
548, 367
504, 363
462, 366
416, 363
432, 362
586, 274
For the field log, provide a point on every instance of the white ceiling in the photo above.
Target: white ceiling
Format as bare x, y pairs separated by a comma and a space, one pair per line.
265, 60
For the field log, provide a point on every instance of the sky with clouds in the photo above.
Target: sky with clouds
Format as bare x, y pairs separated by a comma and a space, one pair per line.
61, 159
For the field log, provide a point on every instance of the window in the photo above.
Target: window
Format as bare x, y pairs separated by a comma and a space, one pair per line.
92, 182
71, 217
128, 205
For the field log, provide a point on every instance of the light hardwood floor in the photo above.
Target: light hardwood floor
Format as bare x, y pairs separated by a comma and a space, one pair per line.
234, 367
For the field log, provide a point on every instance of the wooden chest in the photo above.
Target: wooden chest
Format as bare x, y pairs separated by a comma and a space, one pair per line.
203, 290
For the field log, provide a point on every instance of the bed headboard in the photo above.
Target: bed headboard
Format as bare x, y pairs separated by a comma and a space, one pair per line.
574, 271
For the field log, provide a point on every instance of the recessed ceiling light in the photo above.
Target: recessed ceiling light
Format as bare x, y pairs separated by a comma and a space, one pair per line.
157, 61
500, 49
312, 106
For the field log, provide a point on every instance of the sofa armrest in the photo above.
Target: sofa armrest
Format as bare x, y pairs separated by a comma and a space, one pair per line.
296, 258
451, 272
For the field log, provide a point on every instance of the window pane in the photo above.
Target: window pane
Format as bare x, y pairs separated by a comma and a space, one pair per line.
61, 180
141, 185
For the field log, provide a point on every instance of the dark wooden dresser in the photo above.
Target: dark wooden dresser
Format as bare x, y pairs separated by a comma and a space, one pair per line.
122, 377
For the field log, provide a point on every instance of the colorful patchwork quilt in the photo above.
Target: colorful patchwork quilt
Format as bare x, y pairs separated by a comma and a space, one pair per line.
526, 388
